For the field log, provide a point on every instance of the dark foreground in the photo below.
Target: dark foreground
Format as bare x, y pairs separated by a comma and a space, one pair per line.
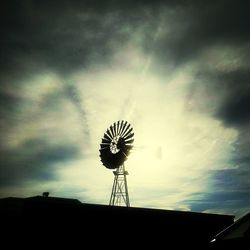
40, 222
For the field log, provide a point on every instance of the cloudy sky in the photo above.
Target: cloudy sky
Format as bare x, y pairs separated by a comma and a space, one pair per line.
178, 72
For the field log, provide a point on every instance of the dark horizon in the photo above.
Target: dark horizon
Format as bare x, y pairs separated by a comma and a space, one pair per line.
33, 215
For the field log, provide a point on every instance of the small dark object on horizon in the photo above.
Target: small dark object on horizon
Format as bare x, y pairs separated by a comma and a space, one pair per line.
45, 194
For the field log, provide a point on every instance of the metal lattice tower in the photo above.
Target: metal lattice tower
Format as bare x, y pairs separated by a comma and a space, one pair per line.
119, 194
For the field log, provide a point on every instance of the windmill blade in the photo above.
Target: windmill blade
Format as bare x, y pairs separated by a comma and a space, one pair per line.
120, 128
115, 129
130, 141
104, 140
112, 131
129, 147
123, 128
109, 134
124, 154
129, 136
127, 133
106, 137
126, 129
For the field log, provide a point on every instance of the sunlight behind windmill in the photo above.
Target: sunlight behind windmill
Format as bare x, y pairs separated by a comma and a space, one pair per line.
114, 150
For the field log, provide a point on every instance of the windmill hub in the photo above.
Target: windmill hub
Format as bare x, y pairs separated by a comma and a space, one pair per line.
115, 145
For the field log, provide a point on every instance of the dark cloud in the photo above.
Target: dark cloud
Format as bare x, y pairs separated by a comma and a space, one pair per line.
242, 146
37, 38
231, 186
66, 36
195, 26
33, 160
234, 111
228, 202
63, 36
224, 24
233, 179
230, 189
229, 91
228, 192
237, 110
8, 104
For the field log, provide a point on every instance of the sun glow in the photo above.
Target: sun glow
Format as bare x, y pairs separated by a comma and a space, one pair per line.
175, 143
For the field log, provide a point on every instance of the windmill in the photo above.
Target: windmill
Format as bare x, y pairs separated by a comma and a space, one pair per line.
114, 150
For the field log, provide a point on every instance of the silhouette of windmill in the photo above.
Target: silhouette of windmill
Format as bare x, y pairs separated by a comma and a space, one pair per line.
114, 150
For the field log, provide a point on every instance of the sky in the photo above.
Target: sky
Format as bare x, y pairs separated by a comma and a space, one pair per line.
177, 71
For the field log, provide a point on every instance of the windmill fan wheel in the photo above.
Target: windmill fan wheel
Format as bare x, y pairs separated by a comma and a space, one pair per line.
116, 144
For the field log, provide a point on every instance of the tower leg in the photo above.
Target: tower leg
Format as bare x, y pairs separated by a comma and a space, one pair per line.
119, 194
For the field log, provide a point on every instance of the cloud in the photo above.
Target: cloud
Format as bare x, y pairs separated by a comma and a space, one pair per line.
33, 160
234, 112
228, 191
224, 202
189, 32
63, 37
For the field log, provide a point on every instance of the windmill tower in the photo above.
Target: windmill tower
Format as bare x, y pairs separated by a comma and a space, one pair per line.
114, 150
